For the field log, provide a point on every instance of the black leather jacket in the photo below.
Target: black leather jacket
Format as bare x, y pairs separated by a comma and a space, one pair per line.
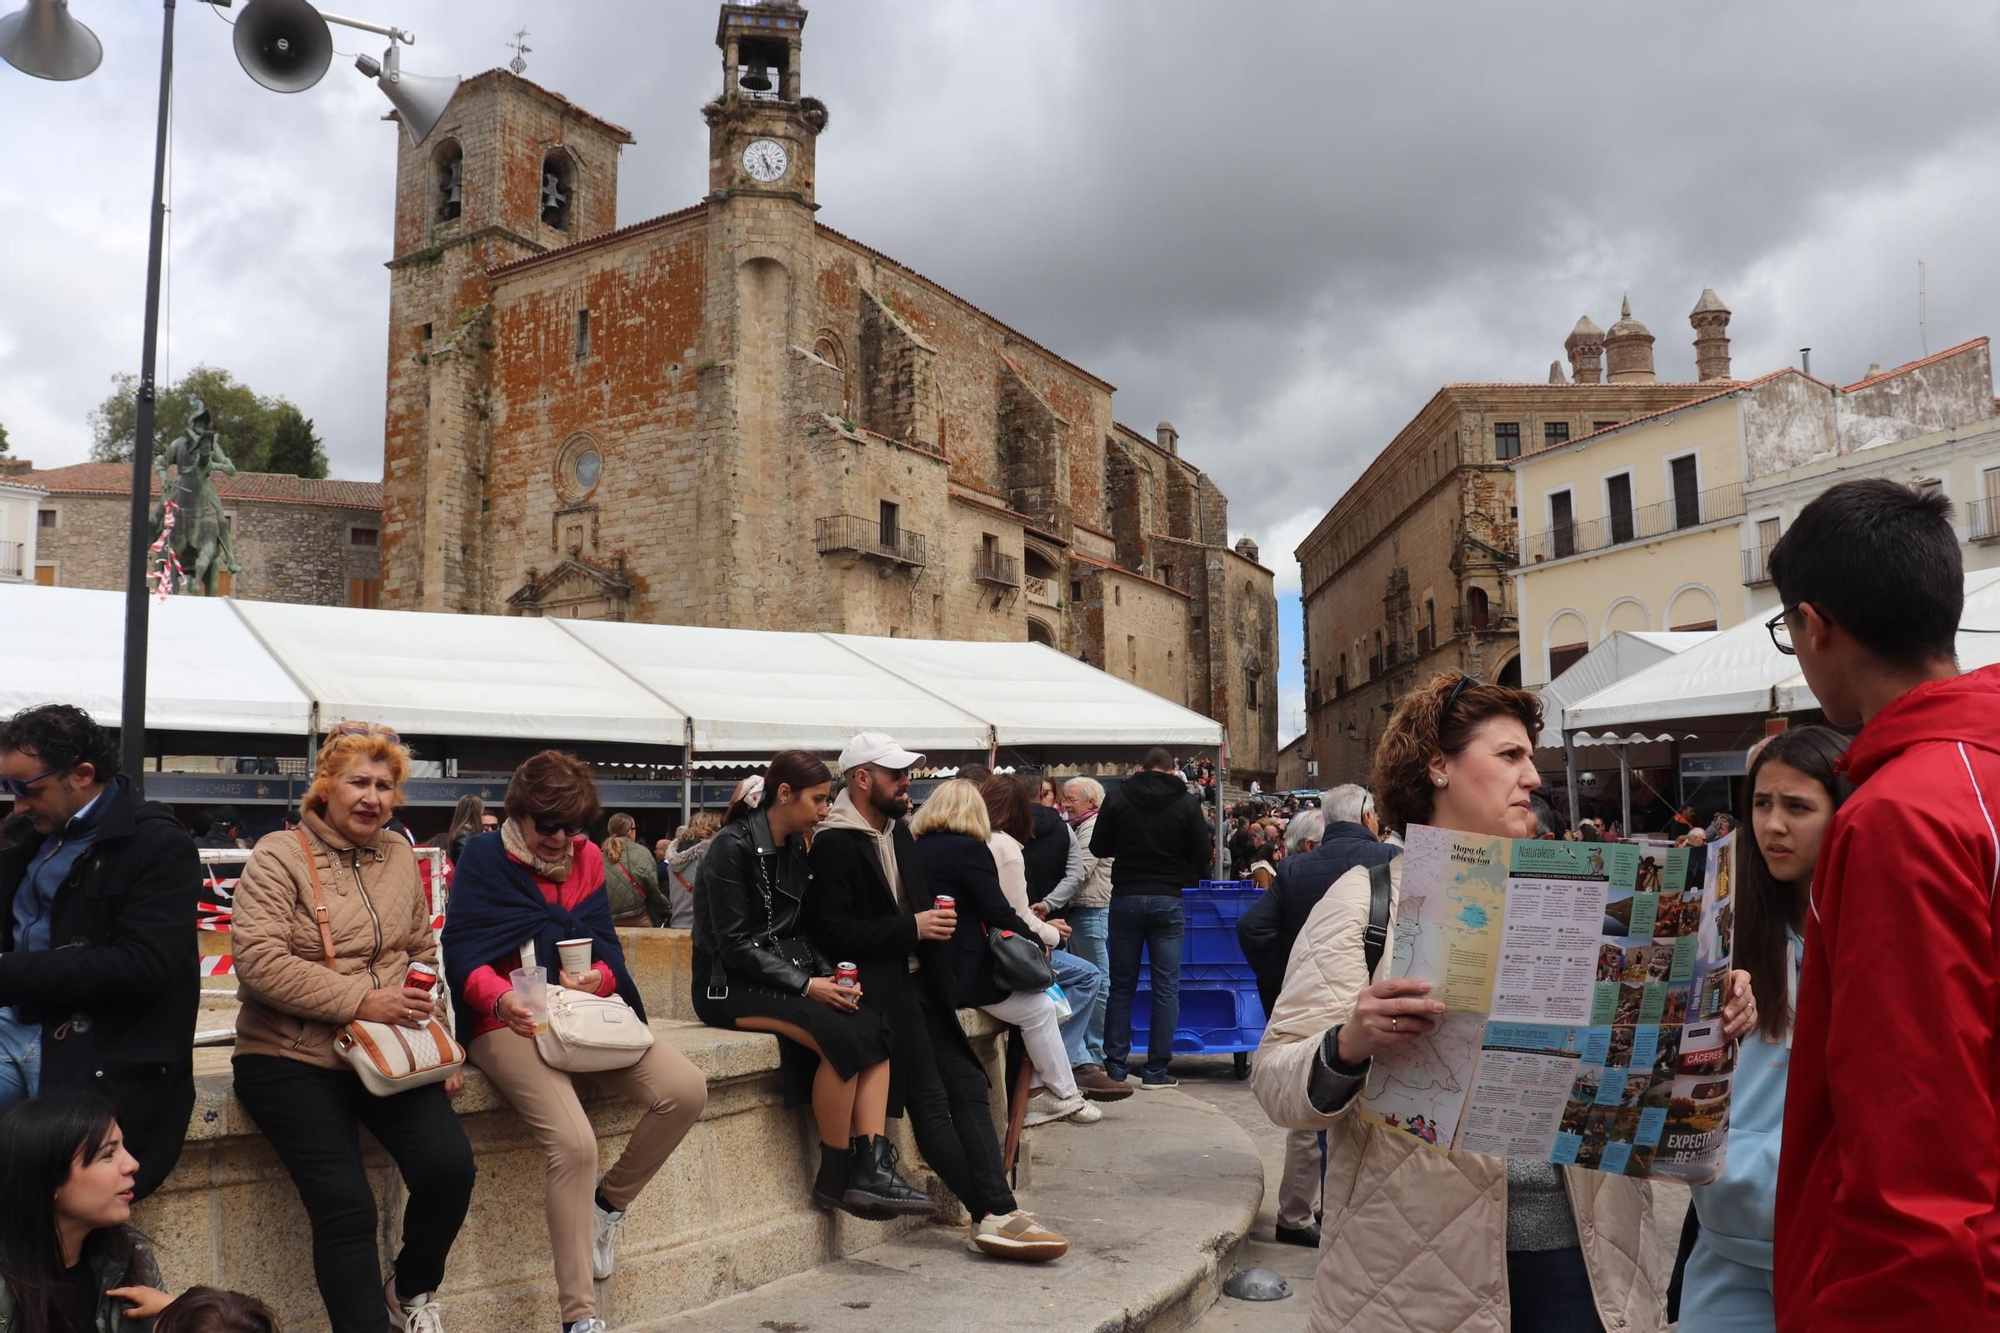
749, 900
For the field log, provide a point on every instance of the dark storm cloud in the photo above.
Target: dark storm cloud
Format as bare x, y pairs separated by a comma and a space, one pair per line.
1281, 225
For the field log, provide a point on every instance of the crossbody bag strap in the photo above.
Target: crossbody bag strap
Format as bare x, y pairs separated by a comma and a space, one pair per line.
319, 897
1375, 938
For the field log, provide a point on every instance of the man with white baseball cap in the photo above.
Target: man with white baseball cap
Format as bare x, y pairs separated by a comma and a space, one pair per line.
869, 906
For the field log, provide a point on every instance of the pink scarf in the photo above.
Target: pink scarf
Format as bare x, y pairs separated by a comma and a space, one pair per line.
1078, 821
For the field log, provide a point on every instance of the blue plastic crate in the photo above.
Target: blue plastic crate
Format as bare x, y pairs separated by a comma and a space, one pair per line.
1213, 1020
1211, 914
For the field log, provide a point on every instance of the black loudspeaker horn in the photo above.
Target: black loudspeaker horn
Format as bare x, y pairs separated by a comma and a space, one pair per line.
283, 44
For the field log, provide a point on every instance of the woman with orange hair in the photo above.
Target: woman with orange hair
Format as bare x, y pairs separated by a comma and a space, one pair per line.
305, 1098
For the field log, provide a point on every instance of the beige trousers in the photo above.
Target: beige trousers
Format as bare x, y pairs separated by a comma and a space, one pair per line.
1299, 1186
663, 1081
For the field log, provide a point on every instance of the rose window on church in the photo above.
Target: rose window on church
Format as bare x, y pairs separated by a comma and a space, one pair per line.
579, 467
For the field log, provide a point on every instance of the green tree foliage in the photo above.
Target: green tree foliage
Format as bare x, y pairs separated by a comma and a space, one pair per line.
3, 441
294, 446
251, 424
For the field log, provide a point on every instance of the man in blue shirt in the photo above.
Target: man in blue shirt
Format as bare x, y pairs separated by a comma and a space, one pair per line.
98, 980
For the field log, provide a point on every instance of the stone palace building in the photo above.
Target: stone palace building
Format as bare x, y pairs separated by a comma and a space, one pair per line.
734, 415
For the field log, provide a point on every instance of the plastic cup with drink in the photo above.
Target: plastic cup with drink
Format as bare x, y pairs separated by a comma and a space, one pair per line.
531, 988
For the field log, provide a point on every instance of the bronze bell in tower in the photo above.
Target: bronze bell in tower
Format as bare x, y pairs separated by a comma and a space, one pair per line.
756, 78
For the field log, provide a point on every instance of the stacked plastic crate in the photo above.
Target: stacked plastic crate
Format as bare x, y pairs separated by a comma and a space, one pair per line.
1220, 1012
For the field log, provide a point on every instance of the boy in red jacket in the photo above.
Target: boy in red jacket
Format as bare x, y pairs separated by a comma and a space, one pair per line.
1889, 1180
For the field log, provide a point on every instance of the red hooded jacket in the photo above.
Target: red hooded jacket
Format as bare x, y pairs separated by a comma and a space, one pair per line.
1889, 1182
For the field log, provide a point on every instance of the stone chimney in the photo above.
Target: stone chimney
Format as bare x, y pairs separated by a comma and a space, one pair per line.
1628, 350
15, 467
1169, 438
1585, 345
1556, 375
1247, 549
1711, 336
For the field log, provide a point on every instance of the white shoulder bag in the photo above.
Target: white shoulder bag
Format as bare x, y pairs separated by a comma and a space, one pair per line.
588, 1033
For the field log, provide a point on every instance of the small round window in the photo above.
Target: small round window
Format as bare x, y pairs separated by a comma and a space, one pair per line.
579, 467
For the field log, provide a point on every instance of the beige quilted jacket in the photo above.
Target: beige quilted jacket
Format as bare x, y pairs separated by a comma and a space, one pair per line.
292, 1002
1416, 1239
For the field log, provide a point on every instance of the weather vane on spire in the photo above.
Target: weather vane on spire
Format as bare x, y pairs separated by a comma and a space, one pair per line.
519, 46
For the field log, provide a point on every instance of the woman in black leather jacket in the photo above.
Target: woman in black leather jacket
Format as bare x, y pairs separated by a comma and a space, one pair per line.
755, 970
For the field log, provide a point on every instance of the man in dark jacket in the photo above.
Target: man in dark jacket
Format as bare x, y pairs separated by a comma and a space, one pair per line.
1156, 830
98, 980
1352, 837
869, 907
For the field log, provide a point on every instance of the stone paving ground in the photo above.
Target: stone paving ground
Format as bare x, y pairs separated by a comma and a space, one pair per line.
1211, 1079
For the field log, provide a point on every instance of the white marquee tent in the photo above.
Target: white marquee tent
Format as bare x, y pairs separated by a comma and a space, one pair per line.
1625, 653
221, 666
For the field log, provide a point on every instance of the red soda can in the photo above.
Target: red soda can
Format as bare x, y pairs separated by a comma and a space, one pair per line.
946, 903
846, 974
421, 976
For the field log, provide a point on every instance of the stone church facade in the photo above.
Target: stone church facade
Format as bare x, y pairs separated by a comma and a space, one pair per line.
734, 415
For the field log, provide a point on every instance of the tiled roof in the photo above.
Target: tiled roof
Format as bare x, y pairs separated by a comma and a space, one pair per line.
1128, 573
598, 242
1909, 366
268, 487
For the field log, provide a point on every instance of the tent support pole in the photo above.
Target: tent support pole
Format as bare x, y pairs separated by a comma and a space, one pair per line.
687, 776
1569, 772
1221, 818
1625, 788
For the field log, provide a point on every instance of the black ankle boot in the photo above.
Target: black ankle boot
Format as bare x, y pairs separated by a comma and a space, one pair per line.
875, 1187
836, 1165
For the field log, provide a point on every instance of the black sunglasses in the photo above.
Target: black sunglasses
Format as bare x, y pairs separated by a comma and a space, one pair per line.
550, 827
1452, 698
19, 789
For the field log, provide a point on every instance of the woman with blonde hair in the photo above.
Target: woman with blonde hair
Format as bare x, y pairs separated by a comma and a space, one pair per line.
683, 864
1415, 1238
303, 1095
632, 877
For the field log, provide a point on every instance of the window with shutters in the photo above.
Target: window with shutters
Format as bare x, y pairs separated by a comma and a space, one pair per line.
1618, 506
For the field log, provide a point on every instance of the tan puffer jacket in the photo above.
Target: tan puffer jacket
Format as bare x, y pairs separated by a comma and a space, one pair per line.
1416, 1239
292, 1002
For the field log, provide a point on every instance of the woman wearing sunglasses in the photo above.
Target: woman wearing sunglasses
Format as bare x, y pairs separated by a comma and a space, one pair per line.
540, 880
310, 1104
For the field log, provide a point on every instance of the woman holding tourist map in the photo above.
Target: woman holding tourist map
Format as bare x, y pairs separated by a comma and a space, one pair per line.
1419, 1237
1794, 791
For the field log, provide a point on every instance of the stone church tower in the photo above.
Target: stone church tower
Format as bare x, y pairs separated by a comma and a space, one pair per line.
512, 170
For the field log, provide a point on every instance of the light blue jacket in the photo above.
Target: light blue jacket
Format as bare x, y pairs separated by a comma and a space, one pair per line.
1738, 1211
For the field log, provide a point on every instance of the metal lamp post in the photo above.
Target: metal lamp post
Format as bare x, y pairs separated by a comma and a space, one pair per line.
284, 45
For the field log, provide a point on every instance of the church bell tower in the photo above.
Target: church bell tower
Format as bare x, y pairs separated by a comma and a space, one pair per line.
761, 130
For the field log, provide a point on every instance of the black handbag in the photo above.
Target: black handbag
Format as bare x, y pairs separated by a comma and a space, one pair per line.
1020, 964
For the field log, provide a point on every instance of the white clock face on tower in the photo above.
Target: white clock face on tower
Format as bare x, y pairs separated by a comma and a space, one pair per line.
765, 159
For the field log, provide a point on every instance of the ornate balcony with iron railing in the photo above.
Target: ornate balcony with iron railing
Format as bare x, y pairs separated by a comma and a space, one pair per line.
1472, 619
851, 532
1002, 571
1984, 517
13, 558
1757, 566
1646, 523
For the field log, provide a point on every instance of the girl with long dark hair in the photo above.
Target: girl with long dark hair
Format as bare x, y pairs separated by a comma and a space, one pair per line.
69, 1261
1792, 791
755, 970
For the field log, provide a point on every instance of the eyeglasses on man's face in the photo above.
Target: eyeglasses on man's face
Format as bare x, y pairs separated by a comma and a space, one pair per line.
18, 788
1781, 631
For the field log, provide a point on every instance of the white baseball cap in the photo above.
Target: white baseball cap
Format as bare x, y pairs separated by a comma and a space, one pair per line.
879, 748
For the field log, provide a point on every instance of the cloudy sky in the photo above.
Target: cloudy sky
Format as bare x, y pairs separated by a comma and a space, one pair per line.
1280, 225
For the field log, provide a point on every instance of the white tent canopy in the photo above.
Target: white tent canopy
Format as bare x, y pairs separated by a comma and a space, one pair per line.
1625, 653
224, 666
428, 673
756, 691
1741, 671
205, 671
1034, 695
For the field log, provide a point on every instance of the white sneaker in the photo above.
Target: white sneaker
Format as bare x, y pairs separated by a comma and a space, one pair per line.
604, 1228
420, 1316
1016, 1236
1045, 1106
1087, 1114
591, 1325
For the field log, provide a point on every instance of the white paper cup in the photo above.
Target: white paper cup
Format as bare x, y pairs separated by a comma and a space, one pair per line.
575, 956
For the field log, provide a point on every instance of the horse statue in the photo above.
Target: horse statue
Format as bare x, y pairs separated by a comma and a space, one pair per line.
200, 539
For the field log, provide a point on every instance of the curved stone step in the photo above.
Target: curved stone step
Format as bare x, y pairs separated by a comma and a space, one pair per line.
1156, 1200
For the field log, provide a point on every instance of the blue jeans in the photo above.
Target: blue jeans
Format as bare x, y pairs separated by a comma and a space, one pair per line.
20, 1060
1152, 922
1082, 986
1088, 926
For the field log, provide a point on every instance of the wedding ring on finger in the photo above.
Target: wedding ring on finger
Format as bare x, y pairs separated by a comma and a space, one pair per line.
1394, 1020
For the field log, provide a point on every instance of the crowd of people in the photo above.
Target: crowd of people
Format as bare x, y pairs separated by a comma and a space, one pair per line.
829, 913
